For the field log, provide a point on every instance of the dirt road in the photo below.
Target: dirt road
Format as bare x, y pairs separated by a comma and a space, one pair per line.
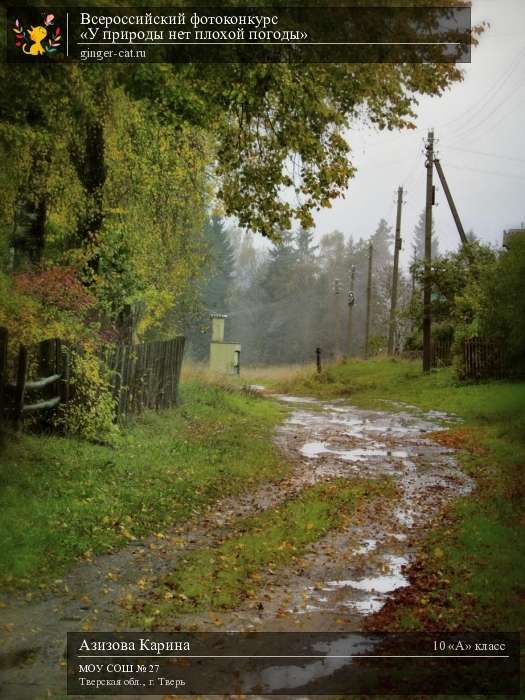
342, 578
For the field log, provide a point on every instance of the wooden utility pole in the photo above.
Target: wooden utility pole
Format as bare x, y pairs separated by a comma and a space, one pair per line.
351, 302
427, 288
337, 313
368, 297
395, 274
451, 202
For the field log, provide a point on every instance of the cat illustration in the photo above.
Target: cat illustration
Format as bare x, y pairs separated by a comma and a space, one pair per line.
36, 34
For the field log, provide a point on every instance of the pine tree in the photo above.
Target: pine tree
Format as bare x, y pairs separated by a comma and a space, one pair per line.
382, 240
214, 295
282, 263
220, 250
418, 241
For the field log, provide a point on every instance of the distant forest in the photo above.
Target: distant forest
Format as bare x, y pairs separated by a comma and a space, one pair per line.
282, 304
281, 301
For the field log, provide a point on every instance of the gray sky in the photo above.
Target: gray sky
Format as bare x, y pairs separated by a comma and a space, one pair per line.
482, 115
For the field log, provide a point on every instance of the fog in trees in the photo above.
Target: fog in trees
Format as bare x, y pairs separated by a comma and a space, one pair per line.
282, 303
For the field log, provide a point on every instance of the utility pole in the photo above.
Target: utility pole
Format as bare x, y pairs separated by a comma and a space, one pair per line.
395, 274
351, 302
337, 293
451, 202
427, 288
368, 297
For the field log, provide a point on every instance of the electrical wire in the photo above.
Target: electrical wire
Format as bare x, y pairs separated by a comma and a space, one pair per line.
499, 121
483, 153
485, 172
481, 104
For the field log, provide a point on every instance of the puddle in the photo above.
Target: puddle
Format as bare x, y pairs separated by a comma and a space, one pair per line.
287, 677
314, 449
356, 454
432, 415
367, 546
385, 583
368, 606
294, 399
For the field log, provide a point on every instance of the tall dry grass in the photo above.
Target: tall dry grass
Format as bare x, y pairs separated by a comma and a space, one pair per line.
263, 375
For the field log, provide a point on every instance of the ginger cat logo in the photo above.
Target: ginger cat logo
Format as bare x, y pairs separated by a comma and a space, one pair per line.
40, 40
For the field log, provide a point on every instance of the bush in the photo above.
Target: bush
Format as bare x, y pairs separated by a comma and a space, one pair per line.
90, 413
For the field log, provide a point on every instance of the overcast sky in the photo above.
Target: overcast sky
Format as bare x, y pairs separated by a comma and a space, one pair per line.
479, 125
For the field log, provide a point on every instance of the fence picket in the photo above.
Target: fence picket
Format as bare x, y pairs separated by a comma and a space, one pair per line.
145, 375
482, 359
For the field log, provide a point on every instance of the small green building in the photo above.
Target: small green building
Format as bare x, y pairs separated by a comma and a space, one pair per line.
225, 357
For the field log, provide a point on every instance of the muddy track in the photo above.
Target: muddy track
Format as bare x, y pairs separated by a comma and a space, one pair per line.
341, 579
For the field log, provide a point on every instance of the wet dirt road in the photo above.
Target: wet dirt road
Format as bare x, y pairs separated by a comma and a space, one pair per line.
342, 578
349, 573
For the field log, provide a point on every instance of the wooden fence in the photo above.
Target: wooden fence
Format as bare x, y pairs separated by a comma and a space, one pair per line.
483, 359
145, 375
141, 376
441, 354
23, 396
479, 358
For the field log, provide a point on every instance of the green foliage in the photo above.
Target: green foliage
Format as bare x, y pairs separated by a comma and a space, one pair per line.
257, 120
377, 345
115, 282
156, 205
90, 414
478, 292
502, 304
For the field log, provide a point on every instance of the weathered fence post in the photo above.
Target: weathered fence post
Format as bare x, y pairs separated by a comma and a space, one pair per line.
64, 372
20, 388
4, 339
318, 360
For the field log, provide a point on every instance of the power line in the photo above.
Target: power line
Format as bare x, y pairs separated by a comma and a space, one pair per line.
499, 121
494, 89
483, 153
467, 131
485, 172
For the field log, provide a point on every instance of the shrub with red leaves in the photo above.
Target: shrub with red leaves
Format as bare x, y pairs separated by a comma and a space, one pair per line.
58, 286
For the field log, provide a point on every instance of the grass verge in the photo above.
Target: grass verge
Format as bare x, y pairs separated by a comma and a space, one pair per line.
220, 578
470, 573
62, 499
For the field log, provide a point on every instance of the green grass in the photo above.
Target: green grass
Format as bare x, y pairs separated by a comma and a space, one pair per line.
62, 499
370, 381
473, 562
220, 578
